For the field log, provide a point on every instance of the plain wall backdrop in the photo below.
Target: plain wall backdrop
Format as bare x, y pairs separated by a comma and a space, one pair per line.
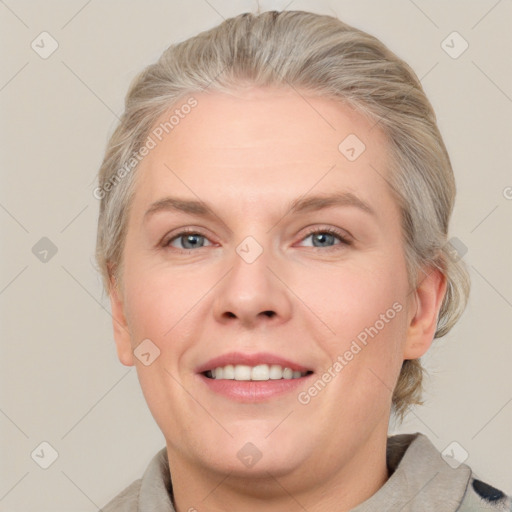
61, 381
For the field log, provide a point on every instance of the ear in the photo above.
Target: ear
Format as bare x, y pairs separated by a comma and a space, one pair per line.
121, 332
427, 300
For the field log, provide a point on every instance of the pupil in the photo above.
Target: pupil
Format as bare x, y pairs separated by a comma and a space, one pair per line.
321, 237
191, 239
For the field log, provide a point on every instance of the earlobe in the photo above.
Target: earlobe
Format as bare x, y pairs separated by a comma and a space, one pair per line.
121, 332
428, 296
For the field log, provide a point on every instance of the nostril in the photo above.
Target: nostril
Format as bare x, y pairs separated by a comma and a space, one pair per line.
269, 313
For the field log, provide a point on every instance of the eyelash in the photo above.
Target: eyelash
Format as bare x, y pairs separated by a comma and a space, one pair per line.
331, 231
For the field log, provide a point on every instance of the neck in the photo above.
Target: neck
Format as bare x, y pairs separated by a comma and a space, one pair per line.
197, 488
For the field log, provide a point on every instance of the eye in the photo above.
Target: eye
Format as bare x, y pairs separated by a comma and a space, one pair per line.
326, 236
188, 240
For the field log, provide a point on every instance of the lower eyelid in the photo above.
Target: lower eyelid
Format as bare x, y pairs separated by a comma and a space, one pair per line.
339, 236
183, 234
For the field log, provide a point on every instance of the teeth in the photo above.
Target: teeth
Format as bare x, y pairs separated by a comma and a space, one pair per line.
275, 372
228, 371
259, 372
242, 372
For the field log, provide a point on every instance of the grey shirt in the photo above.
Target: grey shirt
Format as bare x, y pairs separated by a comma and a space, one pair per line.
421, 480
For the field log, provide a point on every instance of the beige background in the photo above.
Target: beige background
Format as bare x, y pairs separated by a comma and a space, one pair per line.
61, 381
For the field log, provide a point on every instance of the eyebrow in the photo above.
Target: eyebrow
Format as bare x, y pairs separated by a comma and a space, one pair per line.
300, 205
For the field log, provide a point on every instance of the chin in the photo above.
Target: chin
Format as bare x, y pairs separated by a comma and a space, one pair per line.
255, 454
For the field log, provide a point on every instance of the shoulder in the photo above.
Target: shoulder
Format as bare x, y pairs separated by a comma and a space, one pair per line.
426, 479
480, 496
126, 501
151, 492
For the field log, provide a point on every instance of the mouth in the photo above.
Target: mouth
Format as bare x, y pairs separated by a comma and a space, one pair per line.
260, 372
253, 378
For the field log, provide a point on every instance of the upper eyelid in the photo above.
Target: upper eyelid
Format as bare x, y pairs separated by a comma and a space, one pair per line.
342, 234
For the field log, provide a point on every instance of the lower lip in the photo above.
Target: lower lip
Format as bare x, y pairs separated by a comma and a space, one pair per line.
249, 391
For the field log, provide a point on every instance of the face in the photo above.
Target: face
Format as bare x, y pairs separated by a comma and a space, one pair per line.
263, 235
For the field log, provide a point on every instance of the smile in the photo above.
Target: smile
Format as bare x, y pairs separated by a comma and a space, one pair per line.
260, 372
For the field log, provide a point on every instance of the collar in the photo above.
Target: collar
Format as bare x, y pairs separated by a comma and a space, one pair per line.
420, 480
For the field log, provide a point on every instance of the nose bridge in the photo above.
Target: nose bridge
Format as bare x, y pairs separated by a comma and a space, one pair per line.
250, 276
251, 290
250, 249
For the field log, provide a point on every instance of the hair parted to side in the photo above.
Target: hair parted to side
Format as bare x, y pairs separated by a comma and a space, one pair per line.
322, 55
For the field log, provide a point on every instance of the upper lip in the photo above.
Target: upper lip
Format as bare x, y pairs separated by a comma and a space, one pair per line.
254, 359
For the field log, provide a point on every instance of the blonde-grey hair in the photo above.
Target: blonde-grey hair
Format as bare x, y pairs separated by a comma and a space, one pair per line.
322, 55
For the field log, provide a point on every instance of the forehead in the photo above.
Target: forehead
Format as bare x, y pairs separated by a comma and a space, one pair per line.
260, 145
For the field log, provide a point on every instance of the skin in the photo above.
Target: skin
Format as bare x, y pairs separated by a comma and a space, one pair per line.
248, 154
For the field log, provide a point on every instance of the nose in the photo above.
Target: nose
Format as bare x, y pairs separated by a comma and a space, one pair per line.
253, 292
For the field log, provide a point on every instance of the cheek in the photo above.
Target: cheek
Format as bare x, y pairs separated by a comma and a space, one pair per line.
161, 308
356, 296
366, 309
158, 298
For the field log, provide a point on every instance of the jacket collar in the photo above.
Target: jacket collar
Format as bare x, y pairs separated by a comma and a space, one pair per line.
421, 480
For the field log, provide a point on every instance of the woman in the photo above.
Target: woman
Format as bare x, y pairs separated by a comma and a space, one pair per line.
273, 236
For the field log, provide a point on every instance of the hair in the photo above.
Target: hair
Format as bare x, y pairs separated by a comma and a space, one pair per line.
324, 56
